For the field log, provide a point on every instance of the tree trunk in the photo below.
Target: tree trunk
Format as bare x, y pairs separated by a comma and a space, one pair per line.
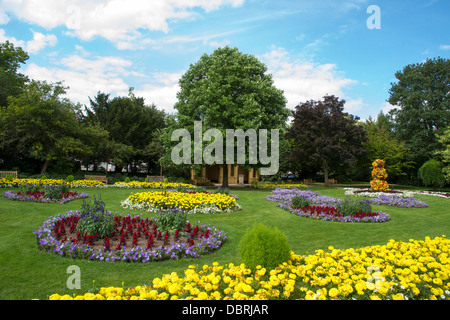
44, 168
225, 176
325, 173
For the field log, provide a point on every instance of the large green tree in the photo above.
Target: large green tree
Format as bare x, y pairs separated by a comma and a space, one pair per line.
422, 106
11, 81
132, 125
42, 124
229, 89
325, 136
382, 144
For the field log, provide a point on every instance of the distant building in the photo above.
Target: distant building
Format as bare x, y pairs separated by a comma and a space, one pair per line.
214, 174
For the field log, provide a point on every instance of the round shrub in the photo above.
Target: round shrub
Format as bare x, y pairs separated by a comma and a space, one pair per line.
263, 246
127, 180
70, 178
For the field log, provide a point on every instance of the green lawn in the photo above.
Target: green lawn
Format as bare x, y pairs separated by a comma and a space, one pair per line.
27, 273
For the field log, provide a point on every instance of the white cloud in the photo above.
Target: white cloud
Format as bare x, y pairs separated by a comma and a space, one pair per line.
39, 41
444, 47
85, 77
388, 107
119, 21
305, 80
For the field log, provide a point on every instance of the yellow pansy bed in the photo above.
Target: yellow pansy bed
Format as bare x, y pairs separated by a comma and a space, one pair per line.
190, 202
415, 270
153, 184
14, 183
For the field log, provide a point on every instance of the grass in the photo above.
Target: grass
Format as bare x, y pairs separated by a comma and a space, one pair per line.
27, 273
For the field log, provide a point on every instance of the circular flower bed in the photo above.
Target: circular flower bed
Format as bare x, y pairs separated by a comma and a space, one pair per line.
134, 239
190, 202
41, 196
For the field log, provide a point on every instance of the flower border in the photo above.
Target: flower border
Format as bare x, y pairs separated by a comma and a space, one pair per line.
50, 244
12, 195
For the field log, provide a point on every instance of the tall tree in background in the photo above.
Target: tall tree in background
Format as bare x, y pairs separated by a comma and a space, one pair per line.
382, 144
41, 124
11, 81
132, 126
324, 135
422, 106
229, 90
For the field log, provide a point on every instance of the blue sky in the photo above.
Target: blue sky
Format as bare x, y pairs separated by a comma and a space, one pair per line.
311, 48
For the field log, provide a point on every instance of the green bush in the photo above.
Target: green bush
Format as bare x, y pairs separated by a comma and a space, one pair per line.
263, 246
171, 220
127, 180
431, 174
95, 219
70, 178
350, 206
298, 202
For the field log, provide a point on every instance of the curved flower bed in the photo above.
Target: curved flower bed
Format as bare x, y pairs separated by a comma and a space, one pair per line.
414, 270
39, 196
189, 202
135, 239
284, 198
329, 213
321, 207
363, 192
14, 183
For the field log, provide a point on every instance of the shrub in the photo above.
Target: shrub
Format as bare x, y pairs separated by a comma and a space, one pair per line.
95, 219
350, 206
431, 174
127, 180
299, 202
172, 220
263, 246
70, 178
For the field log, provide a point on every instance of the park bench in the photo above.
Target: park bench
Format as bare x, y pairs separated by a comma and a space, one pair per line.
308, 181
201, 181
332, 181
155, 178
5, 174
96, 178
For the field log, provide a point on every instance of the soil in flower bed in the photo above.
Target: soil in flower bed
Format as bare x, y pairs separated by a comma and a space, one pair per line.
128, 233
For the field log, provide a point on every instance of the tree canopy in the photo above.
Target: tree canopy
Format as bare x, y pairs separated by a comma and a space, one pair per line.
229, 90
422, 106
324, 135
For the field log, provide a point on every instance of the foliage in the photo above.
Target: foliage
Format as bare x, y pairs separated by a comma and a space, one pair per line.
70, 178
382, 144
11, 82
323, 135
421, 106
227, 90
94, 219
430, 173
132, 126
41, 124
171, 220
350, 206
263, 246
444, 153
298, 202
